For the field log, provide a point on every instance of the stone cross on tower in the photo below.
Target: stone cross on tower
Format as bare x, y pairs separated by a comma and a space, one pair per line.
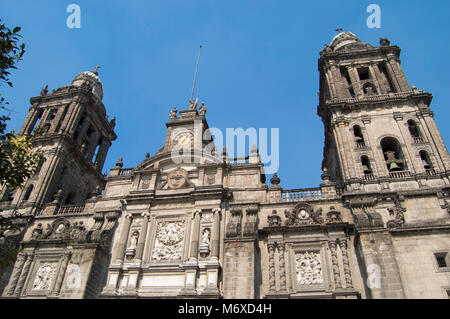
339, 30
95, 71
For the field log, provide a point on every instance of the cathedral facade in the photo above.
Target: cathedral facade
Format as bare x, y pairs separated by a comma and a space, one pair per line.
210, 226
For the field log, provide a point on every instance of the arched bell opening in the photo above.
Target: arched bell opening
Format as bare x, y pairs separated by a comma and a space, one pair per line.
365, 162
393, 154
359, 138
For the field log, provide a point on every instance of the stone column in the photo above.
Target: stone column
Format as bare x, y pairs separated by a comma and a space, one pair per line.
121, 245
347, 272
142, 236
282, 267
61, 274
16, 273
215, 233
334, 261
23, 275
271, 249
354, 78
393, 76
373, 69
195, 234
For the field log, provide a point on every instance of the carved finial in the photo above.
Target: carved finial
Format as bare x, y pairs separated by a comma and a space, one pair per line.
119, 163
112, 123
58, 195
147, 156
202, 109
254, 149
173, 113
95, 71
325, 176
339, 30
44, 91
275, 180
384, 42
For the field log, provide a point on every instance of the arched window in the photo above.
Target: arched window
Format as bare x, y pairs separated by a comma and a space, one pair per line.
359, 138
97, 148
52, 114
36, 122
415, 131
39, 167
393, 154
10, 197
71, 197
425, 160
28, 192
366, 165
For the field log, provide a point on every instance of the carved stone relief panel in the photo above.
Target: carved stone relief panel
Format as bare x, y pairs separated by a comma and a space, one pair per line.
169, 240
44, 276
308, 268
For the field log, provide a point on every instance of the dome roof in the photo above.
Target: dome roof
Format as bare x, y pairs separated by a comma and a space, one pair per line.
343, 39
91, 78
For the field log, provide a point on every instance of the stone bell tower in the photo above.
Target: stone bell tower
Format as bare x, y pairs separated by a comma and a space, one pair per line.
376, 127
73, 135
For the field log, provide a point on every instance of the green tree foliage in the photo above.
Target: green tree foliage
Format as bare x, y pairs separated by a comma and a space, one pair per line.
17, 160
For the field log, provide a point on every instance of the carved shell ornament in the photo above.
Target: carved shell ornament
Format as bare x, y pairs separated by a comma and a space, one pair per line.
177, 178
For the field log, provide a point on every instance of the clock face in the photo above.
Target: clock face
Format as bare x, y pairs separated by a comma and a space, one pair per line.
183, 139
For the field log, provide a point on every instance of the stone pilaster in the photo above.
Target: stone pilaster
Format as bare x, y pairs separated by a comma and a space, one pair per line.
142, 236
16, 273
281, 249
215, 234
24, 274
195, 236
334, 260
121, 245
271, 249
61, 273
345, 261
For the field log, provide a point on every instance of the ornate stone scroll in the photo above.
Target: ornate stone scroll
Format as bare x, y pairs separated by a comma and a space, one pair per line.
308, 268
169, 241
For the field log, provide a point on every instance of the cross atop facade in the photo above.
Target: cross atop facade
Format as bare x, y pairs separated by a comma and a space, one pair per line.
96, 69
339, 30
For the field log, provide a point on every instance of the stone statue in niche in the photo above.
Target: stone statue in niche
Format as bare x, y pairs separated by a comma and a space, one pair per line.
44, 277
206, 238
131, 250
308, 268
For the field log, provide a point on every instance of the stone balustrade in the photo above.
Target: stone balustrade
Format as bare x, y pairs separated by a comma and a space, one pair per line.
301, 194
70, 209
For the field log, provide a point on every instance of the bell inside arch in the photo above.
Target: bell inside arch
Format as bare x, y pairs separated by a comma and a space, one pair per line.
394, 167
366, 169
426, 165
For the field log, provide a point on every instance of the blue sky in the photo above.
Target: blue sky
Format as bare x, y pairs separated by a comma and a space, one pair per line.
258, 66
